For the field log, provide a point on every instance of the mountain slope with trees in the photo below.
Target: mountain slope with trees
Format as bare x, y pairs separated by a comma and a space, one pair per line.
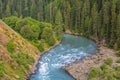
96, 18
33, 19
16, 54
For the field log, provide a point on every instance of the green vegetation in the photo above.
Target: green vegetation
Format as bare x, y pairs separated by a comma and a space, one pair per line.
2, 70
38, 44
94, 73
23, 60
105, 72
27, 27
40, 34
11, 21
109, 61
97, 18
118, 60
47, 35
117, 53
16, 53
117, 70
36, 32
11, 46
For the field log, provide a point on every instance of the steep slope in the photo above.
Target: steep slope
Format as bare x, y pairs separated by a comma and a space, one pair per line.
16, 54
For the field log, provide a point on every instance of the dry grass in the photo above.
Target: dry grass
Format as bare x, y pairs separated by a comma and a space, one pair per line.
21, 45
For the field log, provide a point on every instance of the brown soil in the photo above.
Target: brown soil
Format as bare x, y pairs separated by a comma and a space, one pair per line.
80, 69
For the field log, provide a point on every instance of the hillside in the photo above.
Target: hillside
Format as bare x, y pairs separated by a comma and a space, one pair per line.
97, 18
16, 54
42, 22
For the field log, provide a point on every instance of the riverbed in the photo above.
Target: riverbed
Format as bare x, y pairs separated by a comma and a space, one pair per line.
70, 49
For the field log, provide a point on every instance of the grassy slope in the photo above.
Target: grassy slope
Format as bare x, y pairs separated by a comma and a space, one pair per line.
10, 68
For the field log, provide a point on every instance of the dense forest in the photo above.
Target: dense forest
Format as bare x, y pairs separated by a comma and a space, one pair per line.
97, 18
34, 19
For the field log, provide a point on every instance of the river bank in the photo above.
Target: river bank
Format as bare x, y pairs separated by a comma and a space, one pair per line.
34, 65
80, 69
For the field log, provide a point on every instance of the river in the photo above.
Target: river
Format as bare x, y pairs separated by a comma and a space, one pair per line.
70, 49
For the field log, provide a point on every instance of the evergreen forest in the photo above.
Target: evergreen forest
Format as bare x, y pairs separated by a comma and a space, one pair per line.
43, 22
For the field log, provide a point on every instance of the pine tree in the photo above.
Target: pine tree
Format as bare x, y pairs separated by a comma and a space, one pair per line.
106, 22
113, 22
26, 9
33, 10
1, 6
118, 32
94, 15
59, 23
8, 9
40, 14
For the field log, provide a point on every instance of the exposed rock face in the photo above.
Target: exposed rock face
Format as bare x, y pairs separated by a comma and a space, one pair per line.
79, 70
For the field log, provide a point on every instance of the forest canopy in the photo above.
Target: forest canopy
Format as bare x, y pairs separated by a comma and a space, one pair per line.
97, 18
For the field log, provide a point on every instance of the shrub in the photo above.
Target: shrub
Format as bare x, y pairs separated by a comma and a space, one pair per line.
11, 46
118, 60
20, 79
11, 21
117, 75
108, 61
94, 73
104, 67
117, 72
117, 68
117, 53
23, 59
27, 32
38, 44
2, 70
40, 47
47, 35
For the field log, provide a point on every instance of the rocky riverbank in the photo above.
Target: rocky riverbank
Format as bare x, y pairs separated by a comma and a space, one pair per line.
80, 69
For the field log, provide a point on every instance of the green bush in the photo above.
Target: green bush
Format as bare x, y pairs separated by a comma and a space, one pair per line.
94, 73
38, 44
103, 67
27, 32
117, 72
117, 68
40, 47
47, 35
23, 59
118, 60
2, 70
108, 61
117, 53
11, 46
11, 21
107, 73
20, 79
30, 28
104, 73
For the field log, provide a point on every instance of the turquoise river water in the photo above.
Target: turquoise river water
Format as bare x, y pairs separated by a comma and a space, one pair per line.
70, 49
